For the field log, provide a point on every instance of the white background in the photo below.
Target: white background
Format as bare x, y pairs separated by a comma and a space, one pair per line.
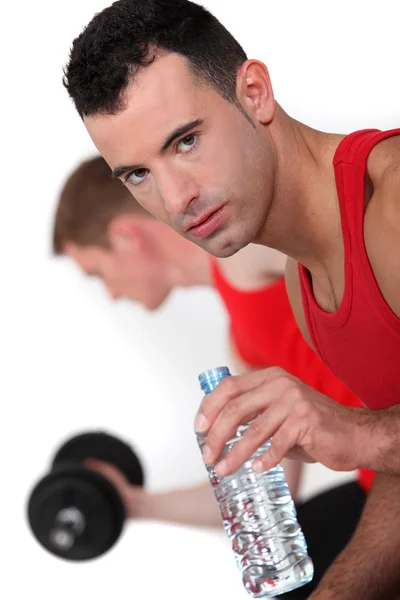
70, 359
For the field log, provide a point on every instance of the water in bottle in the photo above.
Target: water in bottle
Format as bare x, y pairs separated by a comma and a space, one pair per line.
259, 517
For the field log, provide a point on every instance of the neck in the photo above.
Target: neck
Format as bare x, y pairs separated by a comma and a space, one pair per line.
303, 220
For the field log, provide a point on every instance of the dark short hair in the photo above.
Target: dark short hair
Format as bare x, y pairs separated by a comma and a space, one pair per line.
127, 36
89, 200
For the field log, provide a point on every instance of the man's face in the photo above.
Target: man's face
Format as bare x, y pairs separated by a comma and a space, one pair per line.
189, 157
125, 273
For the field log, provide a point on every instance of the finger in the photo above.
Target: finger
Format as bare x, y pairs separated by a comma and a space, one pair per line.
259, 431
107, 470
271, 396
236, 412
229, 388
284, 440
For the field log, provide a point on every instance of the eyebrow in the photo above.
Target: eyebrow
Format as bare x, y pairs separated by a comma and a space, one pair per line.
177, 133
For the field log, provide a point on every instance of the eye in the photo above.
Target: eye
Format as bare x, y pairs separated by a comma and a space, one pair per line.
187, 143
137, 176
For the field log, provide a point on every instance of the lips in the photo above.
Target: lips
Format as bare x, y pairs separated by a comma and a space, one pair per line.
201, 220
206, 225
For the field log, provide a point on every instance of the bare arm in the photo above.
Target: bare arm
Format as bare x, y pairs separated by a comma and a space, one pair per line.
195, 506
369, 567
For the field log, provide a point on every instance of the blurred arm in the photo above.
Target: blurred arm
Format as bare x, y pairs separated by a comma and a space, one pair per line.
189, 506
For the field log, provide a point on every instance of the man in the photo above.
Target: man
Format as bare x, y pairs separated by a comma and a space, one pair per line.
99, 224
191, 126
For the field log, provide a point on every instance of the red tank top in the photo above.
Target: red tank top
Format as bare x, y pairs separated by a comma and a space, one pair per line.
361, 341
265, 334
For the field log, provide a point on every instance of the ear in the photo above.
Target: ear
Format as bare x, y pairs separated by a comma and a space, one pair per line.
126, 232
254, 91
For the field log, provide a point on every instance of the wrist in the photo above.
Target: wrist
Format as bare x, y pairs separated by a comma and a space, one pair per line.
140, 503
375, 439
362, 431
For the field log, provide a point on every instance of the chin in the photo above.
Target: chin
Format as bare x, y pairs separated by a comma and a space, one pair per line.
225, 252
225, 246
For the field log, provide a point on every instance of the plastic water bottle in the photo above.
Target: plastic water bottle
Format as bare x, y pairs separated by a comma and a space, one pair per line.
260, 518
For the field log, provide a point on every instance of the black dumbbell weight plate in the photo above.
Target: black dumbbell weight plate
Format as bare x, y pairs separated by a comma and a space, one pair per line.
86, 499
104, 447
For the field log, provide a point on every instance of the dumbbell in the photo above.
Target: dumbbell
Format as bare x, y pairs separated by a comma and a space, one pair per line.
74, 512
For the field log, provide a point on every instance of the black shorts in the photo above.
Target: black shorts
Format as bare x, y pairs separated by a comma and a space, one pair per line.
328, 521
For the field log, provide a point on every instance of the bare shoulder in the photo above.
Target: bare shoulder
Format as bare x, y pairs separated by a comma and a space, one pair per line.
294, 293
382, 220
384, 159
253, 267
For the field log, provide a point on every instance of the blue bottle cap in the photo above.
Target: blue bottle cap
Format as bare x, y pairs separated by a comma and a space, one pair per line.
210, 379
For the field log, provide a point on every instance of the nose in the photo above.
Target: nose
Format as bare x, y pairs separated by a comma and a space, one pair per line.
178, 190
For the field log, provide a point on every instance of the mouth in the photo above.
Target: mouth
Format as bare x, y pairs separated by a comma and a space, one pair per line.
207, 224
